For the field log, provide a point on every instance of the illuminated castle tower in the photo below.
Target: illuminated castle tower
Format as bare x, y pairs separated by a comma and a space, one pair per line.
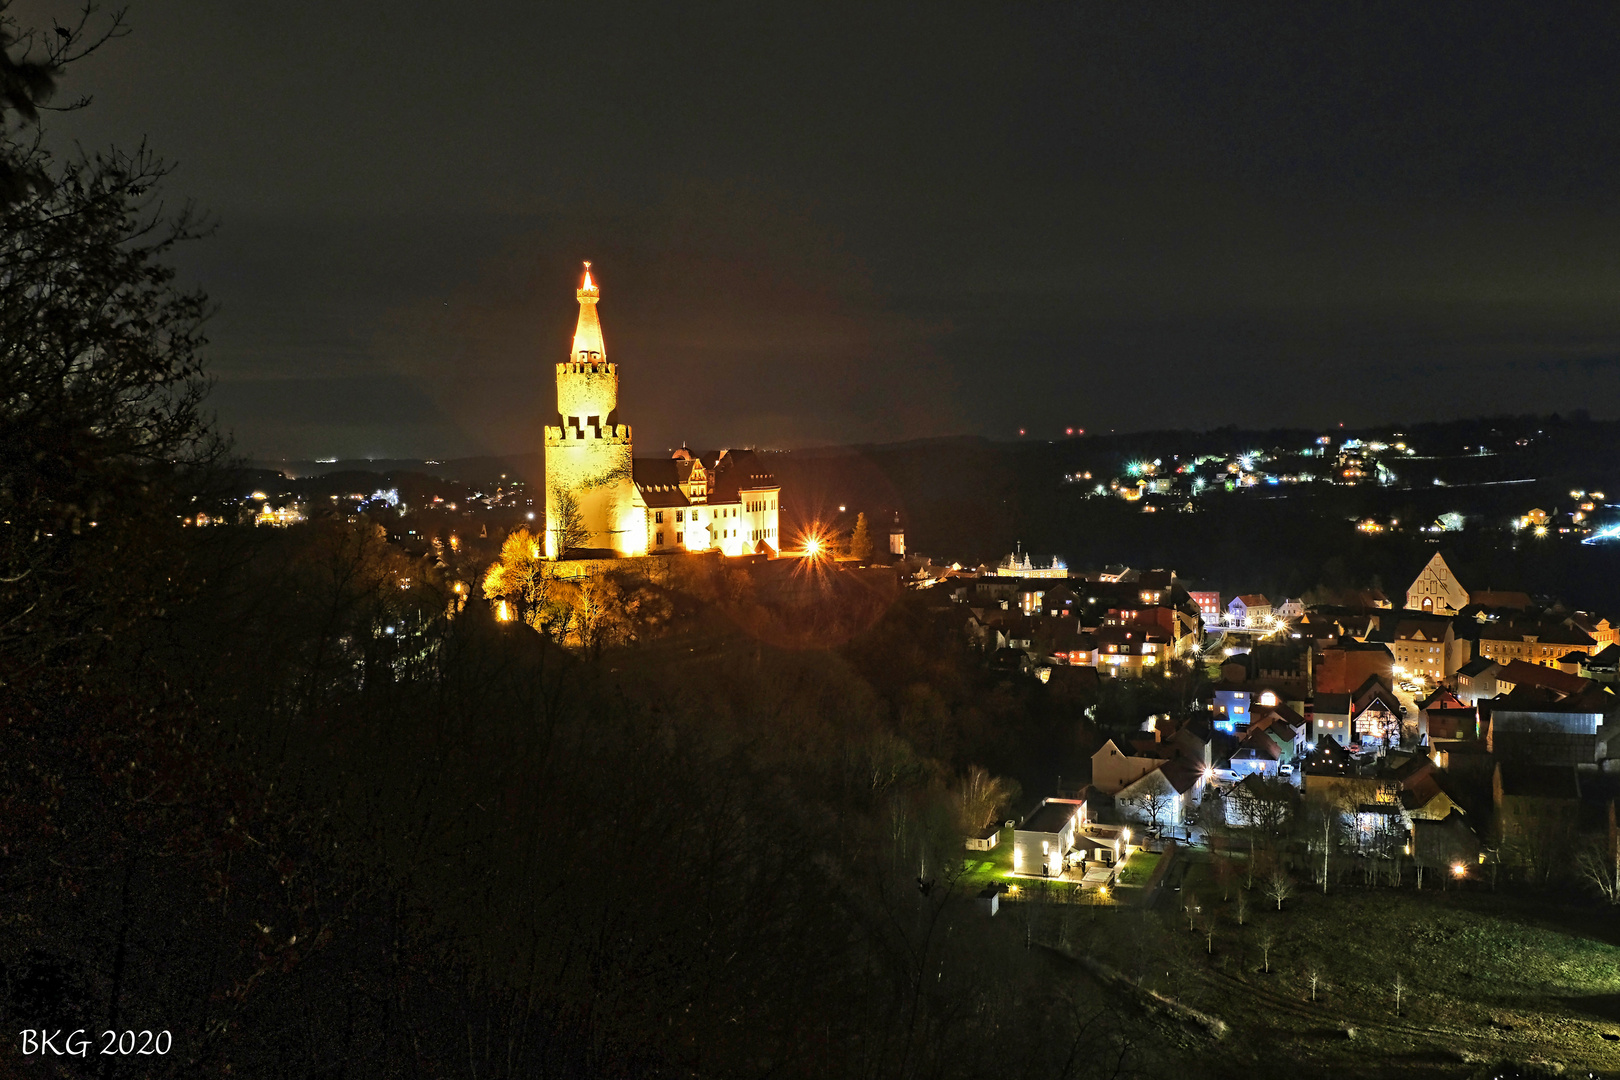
590, 497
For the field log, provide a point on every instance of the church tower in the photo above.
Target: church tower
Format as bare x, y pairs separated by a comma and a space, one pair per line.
589, 491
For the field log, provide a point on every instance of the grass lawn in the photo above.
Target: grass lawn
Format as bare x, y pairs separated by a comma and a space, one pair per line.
983, 867
1138, 868
1482, 976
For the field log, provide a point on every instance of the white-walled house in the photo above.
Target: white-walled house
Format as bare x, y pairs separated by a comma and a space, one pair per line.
1249, 609
1164, 797
1041, 845
1114, 766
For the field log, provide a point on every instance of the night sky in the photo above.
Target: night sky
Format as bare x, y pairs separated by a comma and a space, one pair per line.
819, 224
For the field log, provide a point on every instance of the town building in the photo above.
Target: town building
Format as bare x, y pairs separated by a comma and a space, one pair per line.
1424, 647
1538, 810
1437, 589
1369, 715
1541, 725
1348, 663
1118, 764
1533, 640
1209, 604
1019, 565
1164, 798
1041, 845
1250, 609
1476, 680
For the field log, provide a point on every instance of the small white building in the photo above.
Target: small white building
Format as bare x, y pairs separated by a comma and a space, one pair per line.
1042, 844
989, 899
987, 839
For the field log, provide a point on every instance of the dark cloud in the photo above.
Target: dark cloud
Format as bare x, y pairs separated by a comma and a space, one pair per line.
819, 223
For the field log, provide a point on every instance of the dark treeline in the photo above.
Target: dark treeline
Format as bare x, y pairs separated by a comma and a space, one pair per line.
315, 826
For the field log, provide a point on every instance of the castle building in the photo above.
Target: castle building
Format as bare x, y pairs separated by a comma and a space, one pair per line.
603, 502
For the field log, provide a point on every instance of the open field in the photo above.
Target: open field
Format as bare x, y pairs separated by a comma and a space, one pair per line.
1483, 977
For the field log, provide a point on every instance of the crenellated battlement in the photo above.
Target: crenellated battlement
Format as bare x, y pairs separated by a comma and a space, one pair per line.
606, 433
587, 367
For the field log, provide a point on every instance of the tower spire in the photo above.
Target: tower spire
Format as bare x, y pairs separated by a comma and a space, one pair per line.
588, 332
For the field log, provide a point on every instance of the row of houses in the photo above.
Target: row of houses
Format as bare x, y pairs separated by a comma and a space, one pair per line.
1431, 730
1247, 610
1118, 628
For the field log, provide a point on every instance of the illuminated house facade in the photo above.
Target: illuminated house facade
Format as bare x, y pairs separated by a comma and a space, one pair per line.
1251, 609
1043, 843
601, 500
1437, 589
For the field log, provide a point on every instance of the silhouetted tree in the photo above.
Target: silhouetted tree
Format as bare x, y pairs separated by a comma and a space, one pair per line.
565, 521
102, 433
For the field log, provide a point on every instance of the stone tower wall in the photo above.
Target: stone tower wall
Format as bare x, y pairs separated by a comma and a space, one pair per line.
597, 471
588, 453
585, 390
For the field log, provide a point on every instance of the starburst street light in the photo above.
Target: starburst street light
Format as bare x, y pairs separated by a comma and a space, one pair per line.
814, 544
